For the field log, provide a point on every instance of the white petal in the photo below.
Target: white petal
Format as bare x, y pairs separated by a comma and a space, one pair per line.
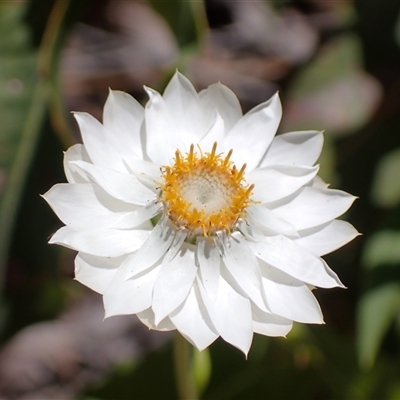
96, 272
270, 324
313, 206
141, 167
326, 238
135, 218
231, 316
77, 152
294, 148
296, 261
209, 261
147, 318
243, 266
174, 283
253, 133
215, 134
130, 296
180, 237
274, 183
152, 250
221, 98
125, 187
162, 136
250, 230
76, 204
268, 222
96, 142
88, 205
122, 119
147, 172
105, 242
289, 297
193, 322
83, 205
183, 103
332, 274
318, 182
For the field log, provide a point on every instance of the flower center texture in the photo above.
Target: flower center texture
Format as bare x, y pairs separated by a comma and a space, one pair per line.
205, 193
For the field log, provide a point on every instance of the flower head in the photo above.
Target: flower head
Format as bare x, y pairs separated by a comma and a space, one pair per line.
198, 218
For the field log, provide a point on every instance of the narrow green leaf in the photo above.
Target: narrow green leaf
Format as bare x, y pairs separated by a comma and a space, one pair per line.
21, 112
179, 16
376, 311
383, 248
386, 183
26, 83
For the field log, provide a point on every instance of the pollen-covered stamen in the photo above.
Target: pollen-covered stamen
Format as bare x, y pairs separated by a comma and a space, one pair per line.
205, 193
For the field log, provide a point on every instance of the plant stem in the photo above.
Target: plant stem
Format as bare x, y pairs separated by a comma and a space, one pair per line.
199, 14
183, 368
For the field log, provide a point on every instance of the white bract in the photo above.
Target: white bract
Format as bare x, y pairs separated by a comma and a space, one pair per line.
198, 218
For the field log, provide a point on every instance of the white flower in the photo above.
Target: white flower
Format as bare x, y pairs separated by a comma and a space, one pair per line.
197, 218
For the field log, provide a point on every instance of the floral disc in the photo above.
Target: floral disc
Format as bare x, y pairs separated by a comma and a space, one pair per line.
205, 193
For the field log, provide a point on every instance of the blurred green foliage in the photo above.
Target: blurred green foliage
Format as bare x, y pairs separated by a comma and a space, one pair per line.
350, 87
20, 127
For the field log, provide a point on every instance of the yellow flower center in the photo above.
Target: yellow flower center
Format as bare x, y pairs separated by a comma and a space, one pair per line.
205, 193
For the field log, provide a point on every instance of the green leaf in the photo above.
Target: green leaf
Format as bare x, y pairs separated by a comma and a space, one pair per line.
376, 311
383, 248
332, 93
386, 182
179, 16
21, 112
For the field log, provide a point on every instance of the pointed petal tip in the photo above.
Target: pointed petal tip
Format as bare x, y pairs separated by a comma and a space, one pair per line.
340, 285
78, 114
157, 320
150, 92
198, 346
108, 314
51, 240
244, 348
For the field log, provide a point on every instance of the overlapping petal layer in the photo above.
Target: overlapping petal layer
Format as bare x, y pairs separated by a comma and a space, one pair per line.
253, 275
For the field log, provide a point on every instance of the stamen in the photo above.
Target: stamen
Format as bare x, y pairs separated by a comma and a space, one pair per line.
205, 193
191, 155
250, 189
241, 172
228, 156
178, 158
213, 150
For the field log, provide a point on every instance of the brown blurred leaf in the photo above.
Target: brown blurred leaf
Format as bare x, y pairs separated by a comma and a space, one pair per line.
258, 29
333, 93
57, 359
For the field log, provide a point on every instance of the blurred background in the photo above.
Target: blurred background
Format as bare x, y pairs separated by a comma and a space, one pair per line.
336, 65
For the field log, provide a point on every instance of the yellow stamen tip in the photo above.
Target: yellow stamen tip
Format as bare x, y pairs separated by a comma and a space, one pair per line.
205, 193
